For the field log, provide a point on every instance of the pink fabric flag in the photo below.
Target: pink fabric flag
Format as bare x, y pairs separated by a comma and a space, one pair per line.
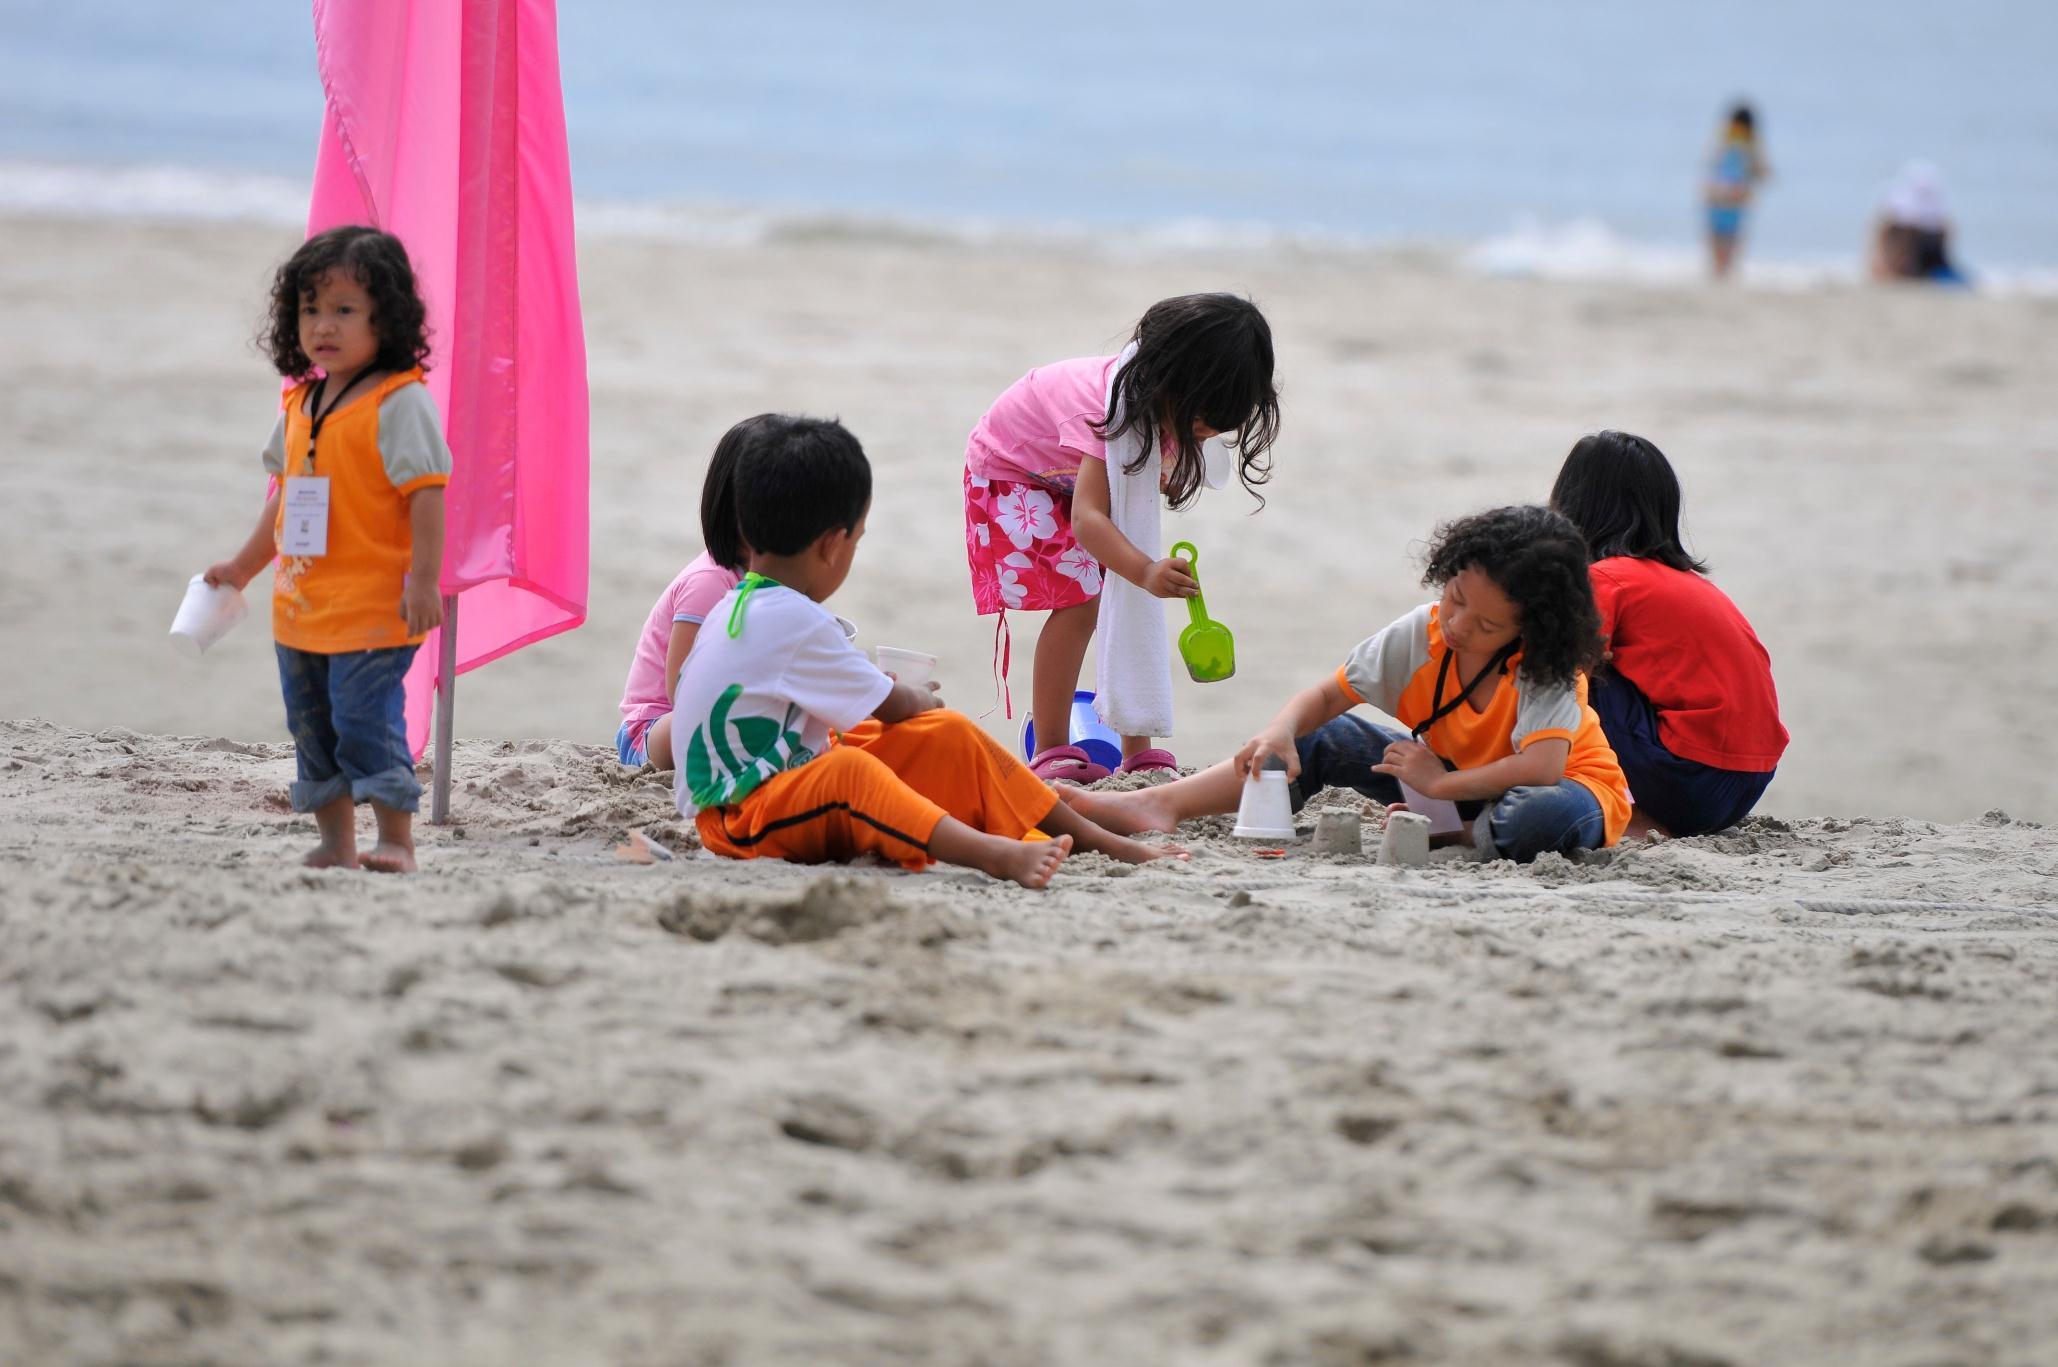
445, 127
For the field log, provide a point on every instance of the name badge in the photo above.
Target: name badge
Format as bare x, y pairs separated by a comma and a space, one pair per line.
304, 531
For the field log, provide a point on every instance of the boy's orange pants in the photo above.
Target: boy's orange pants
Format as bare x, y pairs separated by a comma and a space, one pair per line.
881, 790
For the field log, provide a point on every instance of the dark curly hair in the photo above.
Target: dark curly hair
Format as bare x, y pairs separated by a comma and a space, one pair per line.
379, 264
1538, 559
1203, 358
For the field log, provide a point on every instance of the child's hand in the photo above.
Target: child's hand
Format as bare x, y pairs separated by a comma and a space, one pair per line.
1272, 741
1414, 764
230, 573
421, 605
1169, 578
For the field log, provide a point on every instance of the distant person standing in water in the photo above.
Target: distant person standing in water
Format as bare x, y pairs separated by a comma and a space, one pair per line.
1733, 175
1911, 237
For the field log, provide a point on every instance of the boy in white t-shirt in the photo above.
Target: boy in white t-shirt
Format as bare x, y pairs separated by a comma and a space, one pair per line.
791, 744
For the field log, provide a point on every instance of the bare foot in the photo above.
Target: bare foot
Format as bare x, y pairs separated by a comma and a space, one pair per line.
1032, 863
329, 857
1139, 851
1641, 827
387, 857
1131, 813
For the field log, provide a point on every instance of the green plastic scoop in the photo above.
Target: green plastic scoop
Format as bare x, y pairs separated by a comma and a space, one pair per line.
1206, 645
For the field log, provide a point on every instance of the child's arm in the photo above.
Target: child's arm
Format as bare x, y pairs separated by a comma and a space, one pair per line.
676, 647
906, 700
1539, 764
242, 567
1303, 712
421, 602
1102, 540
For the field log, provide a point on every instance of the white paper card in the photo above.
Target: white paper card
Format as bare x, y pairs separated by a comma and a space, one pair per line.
304, 530
1442, 812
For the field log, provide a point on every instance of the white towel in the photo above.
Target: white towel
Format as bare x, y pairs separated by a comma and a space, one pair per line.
1133, 671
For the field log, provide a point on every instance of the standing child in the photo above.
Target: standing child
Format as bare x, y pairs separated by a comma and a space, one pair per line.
1039, 525
1734, 171
1487, 680
675, 619
772, 682
357, 524
1687, 698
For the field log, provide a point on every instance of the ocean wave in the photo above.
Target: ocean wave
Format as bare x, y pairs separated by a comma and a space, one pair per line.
1581, 250
177, 192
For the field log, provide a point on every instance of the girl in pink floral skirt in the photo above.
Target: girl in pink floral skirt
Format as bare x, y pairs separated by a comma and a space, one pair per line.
1037, 529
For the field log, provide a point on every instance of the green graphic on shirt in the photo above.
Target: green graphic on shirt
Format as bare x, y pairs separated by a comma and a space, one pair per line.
716, 775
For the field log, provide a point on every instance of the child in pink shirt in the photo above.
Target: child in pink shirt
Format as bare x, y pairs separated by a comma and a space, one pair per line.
645, 736
1037, 528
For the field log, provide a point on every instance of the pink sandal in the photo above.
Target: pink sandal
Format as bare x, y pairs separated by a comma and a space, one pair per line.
1150, 761
1066, 764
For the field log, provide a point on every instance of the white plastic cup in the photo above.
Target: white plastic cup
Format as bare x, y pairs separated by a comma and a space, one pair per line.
205, 616
1406, 841
908, 666
1266, 811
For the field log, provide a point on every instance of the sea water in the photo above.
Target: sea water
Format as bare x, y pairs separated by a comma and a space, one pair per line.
1566, 136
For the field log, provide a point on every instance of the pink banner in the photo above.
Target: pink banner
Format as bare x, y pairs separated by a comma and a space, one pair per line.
445, 127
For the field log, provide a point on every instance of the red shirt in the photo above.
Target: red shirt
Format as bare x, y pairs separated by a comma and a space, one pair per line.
1685, 646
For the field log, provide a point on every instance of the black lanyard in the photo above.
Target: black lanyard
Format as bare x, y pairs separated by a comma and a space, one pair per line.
1438, 708
319, 416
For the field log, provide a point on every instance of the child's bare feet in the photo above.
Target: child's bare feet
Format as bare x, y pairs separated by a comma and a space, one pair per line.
1032, 863
1131, 813
336, 820
386, 857
395, 851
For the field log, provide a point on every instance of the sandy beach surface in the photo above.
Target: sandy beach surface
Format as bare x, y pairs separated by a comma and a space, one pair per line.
1782, 1095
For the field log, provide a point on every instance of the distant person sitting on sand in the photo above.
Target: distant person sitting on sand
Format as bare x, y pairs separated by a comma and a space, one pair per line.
1734, 171
1911, 236
357, 524
1686, 695
1487, 680
645, 736
773, 679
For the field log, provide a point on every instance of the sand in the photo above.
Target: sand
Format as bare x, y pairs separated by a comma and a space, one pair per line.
1782, 1095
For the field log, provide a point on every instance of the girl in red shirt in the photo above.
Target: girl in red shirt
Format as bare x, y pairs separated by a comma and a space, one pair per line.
1686, 697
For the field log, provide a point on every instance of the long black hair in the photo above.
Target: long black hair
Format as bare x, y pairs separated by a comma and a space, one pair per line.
1619, 490
720, 531
379, 264
1200, 358
1538, 559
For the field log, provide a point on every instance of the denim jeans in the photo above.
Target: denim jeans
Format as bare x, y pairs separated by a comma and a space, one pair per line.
348, 717
1684, 796
1520, 824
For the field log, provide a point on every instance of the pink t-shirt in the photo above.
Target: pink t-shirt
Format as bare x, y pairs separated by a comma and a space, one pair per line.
689, 598
1039, 428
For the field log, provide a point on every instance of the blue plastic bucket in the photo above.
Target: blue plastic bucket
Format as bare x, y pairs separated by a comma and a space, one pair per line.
1089, 733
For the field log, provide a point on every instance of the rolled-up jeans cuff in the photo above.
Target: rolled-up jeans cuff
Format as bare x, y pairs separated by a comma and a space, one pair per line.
395, 789
311, 795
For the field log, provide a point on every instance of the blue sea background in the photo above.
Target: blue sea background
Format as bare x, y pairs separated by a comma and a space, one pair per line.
1566, 121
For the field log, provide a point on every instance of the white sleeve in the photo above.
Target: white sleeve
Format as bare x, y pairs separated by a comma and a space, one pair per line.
830, 678
275, 449
1381, 665
411, 444
1544, 713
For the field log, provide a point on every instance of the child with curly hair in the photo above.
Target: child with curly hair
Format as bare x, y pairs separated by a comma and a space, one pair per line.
1488, 682
356, 521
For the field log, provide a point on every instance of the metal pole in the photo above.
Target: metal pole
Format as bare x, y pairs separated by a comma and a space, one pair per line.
446, 703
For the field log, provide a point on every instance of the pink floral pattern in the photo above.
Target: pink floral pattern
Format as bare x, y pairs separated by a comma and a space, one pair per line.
1018, 539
